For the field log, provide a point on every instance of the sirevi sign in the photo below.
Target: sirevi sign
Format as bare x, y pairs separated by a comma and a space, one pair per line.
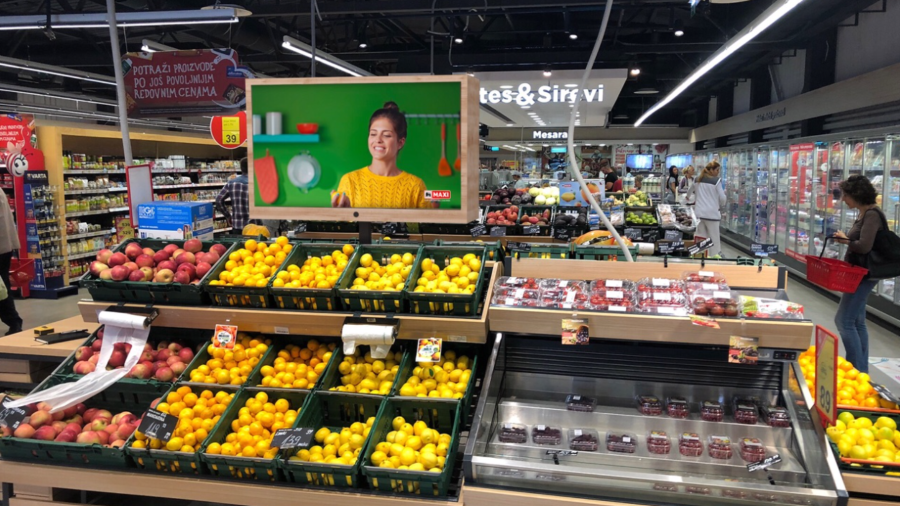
526, 95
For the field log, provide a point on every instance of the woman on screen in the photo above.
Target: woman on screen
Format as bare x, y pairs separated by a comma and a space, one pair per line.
382, 184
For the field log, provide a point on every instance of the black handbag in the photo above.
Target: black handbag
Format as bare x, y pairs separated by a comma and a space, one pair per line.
883, 260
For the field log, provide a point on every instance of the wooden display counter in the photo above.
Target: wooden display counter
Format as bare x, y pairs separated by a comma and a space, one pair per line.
24, 361
871, 485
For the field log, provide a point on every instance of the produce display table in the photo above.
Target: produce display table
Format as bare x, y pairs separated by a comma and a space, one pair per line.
24, 361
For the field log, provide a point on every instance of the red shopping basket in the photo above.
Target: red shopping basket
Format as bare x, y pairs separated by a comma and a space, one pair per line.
833, 274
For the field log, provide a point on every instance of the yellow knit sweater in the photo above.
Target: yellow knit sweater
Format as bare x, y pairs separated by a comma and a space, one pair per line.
366, 189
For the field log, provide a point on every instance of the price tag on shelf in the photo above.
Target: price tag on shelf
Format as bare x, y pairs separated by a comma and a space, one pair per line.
522, 247
477, 230
388, 229
704, 321
531, 230
768, 462
11, 417
700, 247
158, 425
225, 336
763, 250
826, 378
562, 453
231, 131
301, 437
673, 235
562, 234
498, 231
743, 350
671, 247
633, 233
429, 350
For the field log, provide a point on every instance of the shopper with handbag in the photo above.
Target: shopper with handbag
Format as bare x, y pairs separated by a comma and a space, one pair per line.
9, 241
709, 198
870, 244
684, 186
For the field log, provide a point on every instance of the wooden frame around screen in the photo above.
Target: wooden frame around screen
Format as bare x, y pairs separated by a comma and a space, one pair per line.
469, 147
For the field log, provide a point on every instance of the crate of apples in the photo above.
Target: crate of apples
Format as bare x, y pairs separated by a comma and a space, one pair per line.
315, 270
184, 264
504, 217
161, 361
243, 278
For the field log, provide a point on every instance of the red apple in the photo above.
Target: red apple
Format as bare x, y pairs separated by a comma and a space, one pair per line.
97, 267
111, 429
88, 438
163, 355
124, 417
170, 248
178, 368
83, 353
70, 412
176, 253
59, 426
164, 276
117, 259
67, 436
117, 359
126, 430
103, 436
218, 249
148, 273
165, 374
120, 273
45, 433
203, 268
40, 418
186, 355
141, 371
84, 367
133, 250
97, 344
144, 261
24, 431
136, 276
89, 414
131, 266
183, 277
95, 359
161, 256
104, 255
72, 427
167, 264
186, 257
174, 359
189, 268
193, 245
149, 252
106, 275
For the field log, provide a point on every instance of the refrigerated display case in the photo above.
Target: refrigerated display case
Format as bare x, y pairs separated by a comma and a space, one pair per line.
782, 208
759, 226
739, 179
889, 200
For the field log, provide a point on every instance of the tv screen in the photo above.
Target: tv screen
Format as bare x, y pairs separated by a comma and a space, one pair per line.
639, 161
365, 149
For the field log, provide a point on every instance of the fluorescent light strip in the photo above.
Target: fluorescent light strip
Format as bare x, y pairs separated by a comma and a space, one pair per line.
304, 49
766, 20
47, 94
123, 19
15, 63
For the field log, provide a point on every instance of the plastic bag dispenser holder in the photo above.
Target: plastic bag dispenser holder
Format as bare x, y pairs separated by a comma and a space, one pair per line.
378, 333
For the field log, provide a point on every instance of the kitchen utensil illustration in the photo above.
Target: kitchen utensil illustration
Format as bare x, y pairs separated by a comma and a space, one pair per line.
458, 163
444, 166
273, 123
304, 171
266, 178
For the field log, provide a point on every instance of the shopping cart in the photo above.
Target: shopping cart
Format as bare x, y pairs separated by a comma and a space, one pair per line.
831, 274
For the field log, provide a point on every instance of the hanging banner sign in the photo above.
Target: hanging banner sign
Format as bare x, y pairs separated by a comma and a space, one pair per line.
17, 144
184, 83
230, 132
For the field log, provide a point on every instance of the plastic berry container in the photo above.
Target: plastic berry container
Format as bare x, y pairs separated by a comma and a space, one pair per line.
698, 490
600, 303
508, 281
734, 494
612, 284
513, 433
580, 403
720, 447
702, 277
649, 405
546, 435
776, 416
689, 444
583, 440
511, 292
658, 443
677, 407
696, 286
660, 284
752, 450
712, 411
615, 294
716, 303
561, 292
763, 497
560, 284
665, 487
621, 443
745, 413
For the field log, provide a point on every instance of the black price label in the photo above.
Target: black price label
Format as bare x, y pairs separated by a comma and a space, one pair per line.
498, 232
673, 235
882, 391
301, 228
531, 230
670, 247
768, 462
562, 453
652, 235
477, 230
700, 247
11, 417
763, 250
300, 437
389, 229
518, 246
562, 234
634, 234
158, 425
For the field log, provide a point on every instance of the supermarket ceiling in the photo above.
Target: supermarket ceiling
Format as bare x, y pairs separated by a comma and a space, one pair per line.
493, 36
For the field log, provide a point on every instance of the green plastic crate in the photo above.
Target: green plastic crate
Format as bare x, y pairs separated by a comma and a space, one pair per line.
865, 468
146, 292
332, 226
531, 210
603, 252
202, 357
334, 411
455, 304
493, 250
440, 415
242, 296
157, 334
163, 461
546, 251
316, 299
76, 454
240, 467
256, 376
510, 229
469, 350
332, 377
373, 301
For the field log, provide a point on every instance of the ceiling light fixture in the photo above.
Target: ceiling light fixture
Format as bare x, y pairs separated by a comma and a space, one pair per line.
570, 85
304, 49
56, 95
548, 72
635, 71
510, 124
40, 68
123, 19
362, 37
678, 27
573, 36
679, 33
751, 31
646, 91
506, 87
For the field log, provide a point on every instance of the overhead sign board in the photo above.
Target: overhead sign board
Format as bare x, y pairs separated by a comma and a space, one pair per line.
524, 94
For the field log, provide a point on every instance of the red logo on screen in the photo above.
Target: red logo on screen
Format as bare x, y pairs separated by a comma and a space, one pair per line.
437, 194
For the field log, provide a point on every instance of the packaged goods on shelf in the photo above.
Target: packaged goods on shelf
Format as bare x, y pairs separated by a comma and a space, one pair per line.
752, 450
649, 405
513, 433
716, 303
776, 416
760, 307
176, 220
580, 403
720, 447
546, 435
677, 407
712, 411
622, 443
690, 445
658, 443
585, 440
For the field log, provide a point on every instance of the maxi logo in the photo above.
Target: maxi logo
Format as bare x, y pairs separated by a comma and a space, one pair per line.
544, 94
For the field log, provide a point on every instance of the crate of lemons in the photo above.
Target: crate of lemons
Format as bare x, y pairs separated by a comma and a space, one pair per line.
856, 436
215, 365
447, 379
343, 424
377, 278
240, 446
448, 281
295, 366
361, 373
198, 412
308, 276
242, 279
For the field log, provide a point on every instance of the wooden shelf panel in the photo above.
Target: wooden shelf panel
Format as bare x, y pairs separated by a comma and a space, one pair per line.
481, 496
189, 488
863, 483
